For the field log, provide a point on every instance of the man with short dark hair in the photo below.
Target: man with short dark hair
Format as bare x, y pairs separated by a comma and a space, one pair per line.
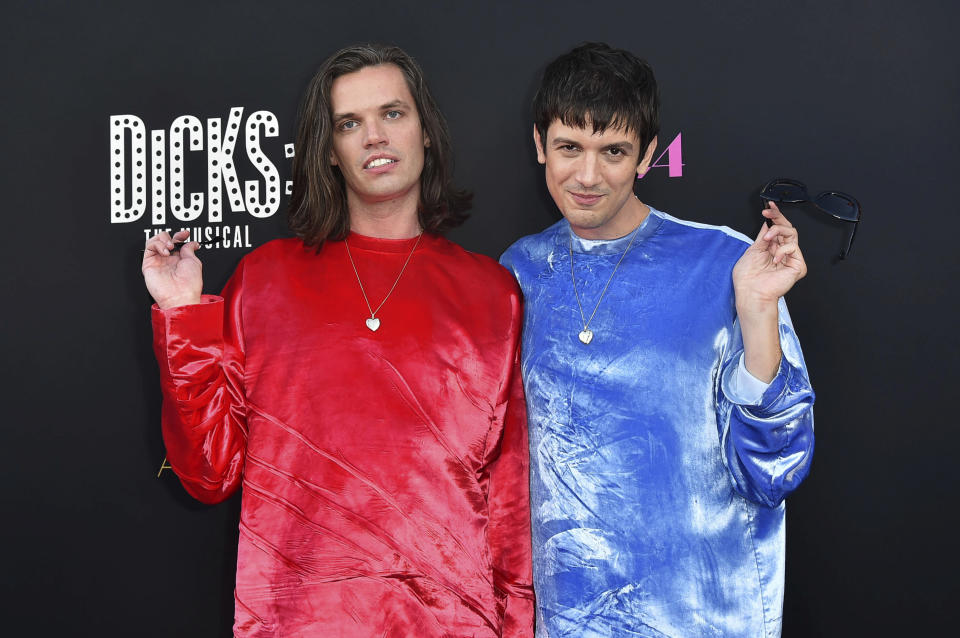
371, 408
668, 401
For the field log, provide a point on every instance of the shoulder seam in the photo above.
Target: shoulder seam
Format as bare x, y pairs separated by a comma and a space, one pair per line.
726, 230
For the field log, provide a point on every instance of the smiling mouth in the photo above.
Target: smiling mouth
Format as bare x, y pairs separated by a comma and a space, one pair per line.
585, 198
380, 161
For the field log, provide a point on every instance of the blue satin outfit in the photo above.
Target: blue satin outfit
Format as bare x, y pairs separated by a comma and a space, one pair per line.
656, 492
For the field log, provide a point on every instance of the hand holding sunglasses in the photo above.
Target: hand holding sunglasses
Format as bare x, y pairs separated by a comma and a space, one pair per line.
836, 204
770, 267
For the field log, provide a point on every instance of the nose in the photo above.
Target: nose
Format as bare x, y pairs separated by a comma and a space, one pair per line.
588, 171
375, 134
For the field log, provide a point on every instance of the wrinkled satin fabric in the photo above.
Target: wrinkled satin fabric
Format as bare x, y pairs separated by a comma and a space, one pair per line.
384, 474
657, 499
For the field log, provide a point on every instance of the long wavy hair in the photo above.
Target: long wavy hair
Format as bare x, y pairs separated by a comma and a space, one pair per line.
318, 206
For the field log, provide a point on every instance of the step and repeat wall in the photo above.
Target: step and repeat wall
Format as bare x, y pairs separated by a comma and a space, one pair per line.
124, 119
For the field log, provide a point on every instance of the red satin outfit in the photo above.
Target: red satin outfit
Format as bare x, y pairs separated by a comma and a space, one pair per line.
385, 474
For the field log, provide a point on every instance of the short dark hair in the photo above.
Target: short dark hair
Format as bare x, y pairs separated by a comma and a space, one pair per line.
318, 205
605, 87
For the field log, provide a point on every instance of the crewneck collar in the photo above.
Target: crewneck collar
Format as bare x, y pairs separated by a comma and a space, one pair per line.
365, 242
616, 246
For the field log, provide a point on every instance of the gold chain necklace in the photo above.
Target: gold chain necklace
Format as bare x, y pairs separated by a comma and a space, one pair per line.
586, 335
374, 322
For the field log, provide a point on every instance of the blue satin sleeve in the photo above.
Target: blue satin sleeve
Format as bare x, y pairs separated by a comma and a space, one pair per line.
767, 445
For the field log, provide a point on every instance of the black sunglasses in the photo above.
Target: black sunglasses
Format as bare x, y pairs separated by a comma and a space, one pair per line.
836, 204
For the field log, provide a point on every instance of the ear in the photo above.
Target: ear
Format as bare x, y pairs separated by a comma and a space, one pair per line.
541, 156
644, 164
333, 159
426, 140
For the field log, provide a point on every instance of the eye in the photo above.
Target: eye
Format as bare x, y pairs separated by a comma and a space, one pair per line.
568, 148
347, 125
616, 152
393, 115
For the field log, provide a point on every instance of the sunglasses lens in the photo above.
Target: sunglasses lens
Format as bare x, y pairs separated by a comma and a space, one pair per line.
839, 205
784, 192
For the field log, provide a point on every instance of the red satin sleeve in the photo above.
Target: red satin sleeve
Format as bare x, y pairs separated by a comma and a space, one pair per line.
199, 349
509, 498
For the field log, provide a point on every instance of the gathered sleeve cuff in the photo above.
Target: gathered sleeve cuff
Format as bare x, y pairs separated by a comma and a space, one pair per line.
199, 349
767, 440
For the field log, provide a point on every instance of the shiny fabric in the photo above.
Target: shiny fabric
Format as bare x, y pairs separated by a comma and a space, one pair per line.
384, 474
657, 501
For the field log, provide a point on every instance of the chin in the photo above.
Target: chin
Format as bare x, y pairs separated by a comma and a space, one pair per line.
579, 219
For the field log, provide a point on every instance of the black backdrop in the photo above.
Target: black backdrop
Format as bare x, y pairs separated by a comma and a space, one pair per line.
851, 96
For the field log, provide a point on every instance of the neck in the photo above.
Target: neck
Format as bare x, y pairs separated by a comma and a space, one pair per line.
631, 215
388, 219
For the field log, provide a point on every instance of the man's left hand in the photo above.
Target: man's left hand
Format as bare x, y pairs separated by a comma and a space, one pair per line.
771, 265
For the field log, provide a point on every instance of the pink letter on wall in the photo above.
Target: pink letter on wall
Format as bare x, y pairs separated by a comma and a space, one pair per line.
674, 153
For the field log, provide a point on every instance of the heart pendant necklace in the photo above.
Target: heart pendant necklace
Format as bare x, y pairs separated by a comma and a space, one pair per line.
373, 322
586, 335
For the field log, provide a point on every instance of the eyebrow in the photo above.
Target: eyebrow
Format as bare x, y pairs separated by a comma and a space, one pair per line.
624, 145
383, 107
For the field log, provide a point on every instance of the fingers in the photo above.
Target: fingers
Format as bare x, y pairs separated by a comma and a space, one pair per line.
180, 236
163, 243
785, 251
188, 250
781, 242
159, 244
782, 234
770, 237
791, 257
772, 212
777, 236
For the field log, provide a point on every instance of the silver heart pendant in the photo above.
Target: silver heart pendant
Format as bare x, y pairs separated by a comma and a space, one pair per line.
586, 335
374, 324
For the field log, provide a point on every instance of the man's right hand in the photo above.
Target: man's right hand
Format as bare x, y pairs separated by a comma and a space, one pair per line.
174, 278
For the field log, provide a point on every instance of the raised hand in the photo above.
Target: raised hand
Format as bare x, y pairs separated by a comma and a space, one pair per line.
173, 278
771, 265
764, 273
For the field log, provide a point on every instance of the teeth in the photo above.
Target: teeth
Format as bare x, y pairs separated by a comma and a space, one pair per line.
380, 162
